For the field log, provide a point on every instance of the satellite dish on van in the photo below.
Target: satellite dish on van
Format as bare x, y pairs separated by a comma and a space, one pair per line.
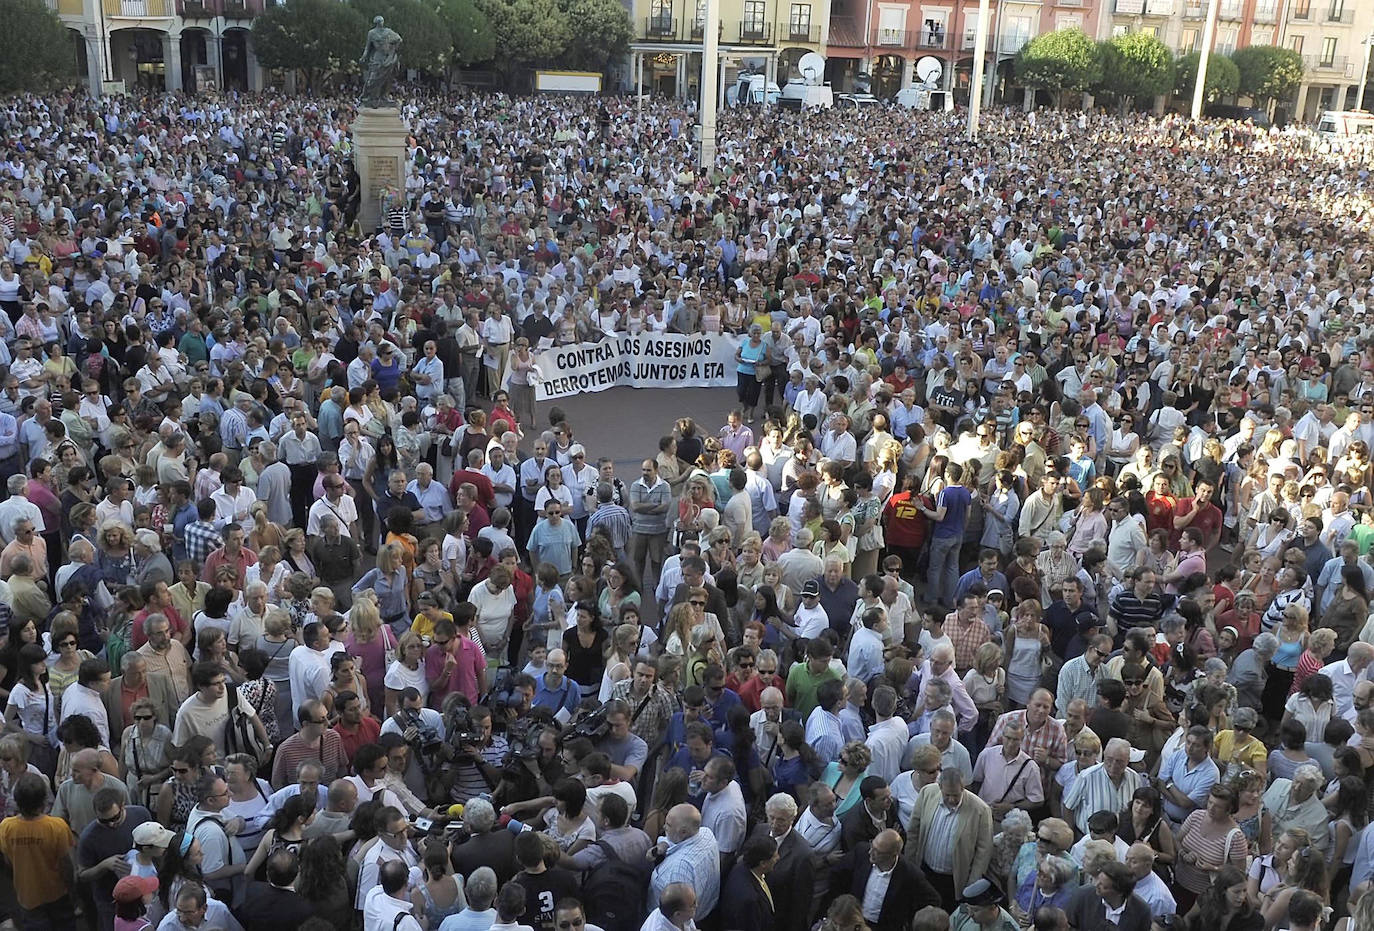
811, 67
928, 70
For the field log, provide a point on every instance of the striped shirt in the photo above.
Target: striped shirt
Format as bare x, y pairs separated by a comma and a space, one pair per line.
939, 840
1131, 612
616, 520
1094, 791
824, 735
695, 861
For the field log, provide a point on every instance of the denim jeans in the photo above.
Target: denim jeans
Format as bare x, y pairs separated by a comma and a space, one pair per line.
943, 574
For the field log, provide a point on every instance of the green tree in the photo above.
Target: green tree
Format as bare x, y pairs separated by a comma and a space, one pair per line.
315, 37
36, 50
603, 32
1268, 72
469, 31
425, 41
1136, 65
1223, 77
527, 32
1064, 60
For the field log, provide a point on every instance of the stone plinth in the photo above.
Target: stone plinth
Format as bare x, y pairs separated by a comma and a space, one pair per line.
379, 151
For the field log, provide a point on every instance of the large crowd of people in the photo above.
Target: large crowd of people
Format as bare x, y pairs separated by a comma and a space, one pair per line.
1028, 586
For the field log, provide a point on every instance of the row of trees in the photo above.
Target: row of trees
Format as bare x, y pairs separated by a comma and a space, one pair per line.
322, 38
1136, 66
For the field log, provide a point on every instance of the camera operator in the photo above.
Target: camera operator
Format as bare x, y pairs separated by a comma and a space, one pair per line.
421, 728
529, 776
478, 756
627, 751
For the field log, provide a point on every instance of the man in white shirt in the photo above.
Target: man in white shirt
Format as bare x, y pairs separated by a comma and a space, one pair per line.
195, 911
233, 502
334, 504
387, 905
887, 738
838, 444
393, 846
308, 665
722, 807
224, 858
1345, 674
1140, 860
866, 646
86, 696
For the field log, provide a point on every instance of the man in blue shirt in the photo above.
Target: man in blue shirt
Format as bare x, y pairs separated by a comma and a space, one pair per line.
554, 690
949, 514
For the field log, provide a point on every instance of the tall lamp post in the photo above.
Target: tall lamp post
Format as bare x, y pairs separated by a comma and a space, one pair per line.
710, 65
1209, 32
980, 54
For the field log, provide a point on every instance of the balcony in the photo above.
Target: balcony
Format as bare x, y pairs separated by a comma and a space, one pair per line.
67, 7
1009, 43
1300, 12
969, 40
196, 9
893, 38
932, 38
139, 9
1194, 10
1163, 8
845, 33
1336, 65
238, 9
804, 32
1266, 14
660, 27
1231, 11
699, 30
752, 32
1345, 17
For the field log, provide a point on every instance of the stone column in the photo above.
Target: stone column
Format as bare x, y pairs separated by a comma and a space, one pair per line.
213, 57
379, 152
95, 61
171, 59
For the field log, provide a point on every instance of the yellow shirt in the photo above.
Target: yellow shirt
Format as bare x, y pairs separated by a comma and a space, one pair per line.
422, 626
1250, 754
37, 848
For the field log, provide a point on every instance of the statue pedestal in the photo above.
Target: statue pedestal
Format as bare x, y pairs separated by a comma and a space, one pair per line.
379, 152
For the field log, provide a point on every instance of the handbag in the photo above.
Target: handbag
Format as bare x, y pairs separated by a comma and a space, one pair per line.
762, 372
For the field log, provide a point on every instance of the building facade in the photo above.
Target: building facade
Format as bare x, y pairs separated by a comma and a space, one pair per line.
164, 44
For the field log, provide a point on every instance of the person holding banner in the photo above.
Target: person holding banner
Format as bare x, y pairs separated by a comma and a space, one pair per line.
524, 373
751, 370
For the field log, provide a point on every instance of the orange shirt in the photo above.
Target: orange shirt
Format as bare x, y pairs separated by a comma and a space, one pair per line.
37, 849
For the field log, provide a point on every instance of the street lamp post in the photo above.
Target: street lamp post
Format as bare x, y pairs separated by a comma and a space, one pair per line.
980, 54
710, 64
1209, 32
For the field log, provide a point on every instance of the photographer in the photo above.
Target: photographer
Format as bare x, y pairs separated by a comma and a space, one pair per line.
532, 775
397, 761
423, 731
627, 751
478, 755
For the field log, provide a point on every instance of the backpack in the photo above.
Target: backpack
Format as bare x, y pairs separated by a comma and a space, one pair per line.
614, 893
239, 734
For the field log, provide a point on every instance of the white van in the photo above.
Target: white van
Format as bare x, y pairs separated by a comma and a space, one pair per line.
798, 95
748, 89
1344, 124
917, 97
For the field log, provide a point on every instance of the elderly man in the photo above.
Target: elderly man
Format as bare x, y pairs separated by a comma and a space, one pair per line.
75, 800
1079, 677
166, 657
949, 838
18, 505
1345, 673
1045, 740
792, 877
940, 665
27, 599
1294, 803
889, 888
1105, 786
26, 542
134, 683
431, 495
1006, 775
953, 754
687, 854
1153, 891
675, 909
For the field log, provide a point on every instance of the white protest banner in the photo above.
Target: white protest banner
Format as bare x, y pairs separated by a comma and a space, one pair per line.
664, 360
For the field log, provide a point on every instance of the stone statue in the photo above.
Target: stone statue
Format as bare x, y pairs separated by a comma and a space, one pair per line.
380, 63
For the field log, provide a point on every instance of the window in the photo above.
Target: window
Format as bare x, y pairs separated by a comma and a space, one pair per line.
755, 14
1017, 33
1189, 41
1120, 29
1068, 21
970, 29
1328, 52
1295, 43
934, 29
661, 17
892, 25
1302, 9
1336, 12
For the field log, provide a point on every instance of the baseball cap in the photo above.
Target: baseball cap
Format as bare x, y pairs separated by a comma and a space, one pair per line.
134, 888
152, 834
811, 587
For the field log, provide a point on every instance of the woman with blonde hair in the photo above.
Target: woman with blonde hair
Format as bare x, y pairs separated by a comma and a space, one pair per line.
264, 533
845, 774
391, 584
406, 671
372, 644
276, 643
620, 654
115, 555
779, 539
679, 627
706, 650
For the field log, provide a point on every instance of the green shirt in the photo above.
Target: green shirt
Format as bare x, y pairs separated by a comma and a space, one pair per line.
802, 685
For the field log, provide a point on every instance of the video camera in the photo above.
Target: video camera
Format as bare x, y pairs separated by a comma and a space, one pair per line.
426, 741
593, 726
